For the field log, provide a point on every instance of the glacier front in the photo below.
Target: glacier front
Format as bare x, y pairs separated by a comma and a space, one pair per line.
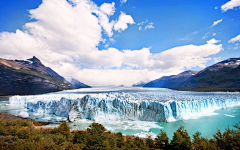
154, 106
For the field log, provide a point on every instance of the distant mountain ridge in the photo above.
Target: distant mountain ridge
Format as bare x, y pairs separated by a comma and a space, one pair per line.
76, 84
139, 84
171, 81
222, 76
28, 77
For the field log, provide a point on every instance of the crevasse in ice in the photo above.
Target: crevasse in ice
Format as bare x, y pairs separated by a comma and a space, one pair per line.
144, 106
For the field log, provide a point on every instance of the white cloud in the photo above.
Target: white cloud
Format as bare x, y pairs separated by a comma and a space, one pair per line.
66, 38
235, 39
104, 12
186, 56
142, 23
106, 24
123, 21
147, 24
216, 22
123, 1
107, 8
213, 34
230, 5
213, 41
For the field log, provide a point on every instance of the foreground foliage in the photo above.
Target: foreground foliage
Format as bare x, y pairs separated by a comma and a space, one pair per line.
21, 134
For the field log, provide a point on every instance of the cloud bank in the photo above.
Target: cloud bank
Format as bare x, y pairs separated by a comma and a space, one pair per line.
65, 36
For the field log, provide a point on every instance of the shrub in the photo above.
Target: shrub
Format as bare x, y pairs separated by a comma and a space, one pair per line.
24, 134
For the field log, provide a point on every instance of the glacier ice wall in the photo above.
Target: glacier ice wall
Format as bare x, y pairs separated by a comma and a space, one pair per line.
156, 107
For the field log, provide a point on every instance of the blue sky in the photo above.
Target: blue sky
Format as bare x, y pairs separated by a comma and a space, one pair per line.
173, 23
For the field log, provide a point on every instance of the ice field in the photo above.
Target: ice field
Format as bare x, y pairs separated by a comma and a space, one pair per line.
138, 111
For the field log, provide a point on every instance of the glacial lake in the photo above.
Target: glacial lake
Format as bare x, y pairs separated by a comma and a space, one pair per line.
206, 124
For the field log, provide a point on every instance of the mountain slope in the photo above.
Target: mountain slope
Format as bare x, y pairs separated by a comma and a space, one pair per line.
18, 77
77, 84
171, 81
223, 76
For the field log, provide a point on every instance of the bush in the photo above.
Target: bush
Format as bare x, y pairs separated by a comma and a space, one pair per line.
24, 134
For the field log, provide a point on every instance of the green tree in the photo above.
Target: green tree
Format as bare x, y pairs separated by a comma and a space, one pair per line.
96, 128
162, 140
119, 140
199, 143
78, 137
139, 144
181, 139
64, 129
95, 136
129, 144
149, 142
230, 139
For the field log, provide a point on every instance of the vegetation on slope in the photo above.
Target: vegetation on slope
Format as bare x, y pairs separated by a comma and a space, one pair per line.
21, 134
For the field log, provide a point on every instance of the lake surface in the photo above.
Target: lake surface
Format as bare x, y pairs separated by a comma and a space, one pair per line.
207, 125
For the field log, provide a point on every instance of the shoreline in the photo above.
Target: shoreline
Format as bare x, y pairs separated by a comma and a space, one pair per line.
6, 116
6, 96
43, 125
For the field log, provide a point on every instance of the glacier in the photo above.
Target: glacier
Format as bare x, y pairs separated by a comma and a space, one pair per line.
153, 106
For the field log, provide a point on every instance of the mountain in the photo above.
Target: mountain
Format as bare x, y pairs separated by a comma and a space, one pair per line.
222, 76
139, 84
76, 84
28, 77
171, 81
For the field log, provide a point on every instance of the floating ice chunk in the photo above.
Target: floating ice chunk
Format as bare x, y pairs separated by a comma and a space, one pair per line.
145, 135
23, 114
229, 115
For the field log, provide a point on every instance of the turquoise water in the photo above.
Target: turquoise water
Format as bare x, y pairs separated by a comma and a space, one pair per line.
207, 125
